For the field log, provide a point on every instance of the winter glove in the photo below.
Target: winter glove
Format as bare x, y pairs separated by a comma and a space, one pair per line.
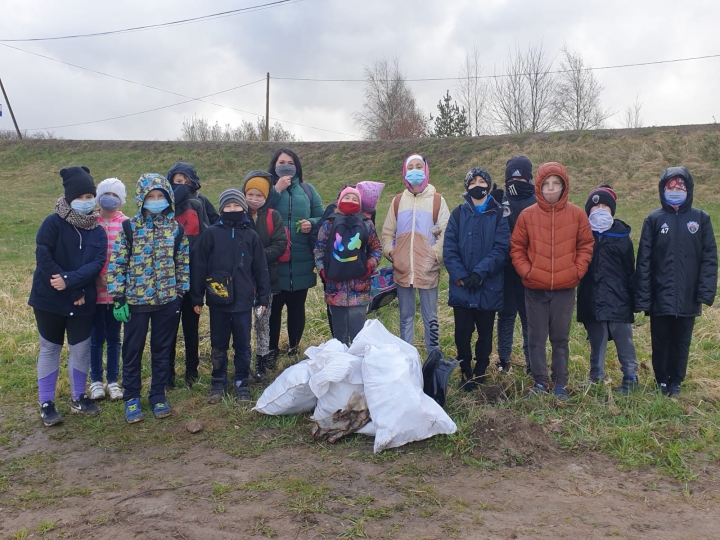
472, 282
369, 271
322, 275
121, 310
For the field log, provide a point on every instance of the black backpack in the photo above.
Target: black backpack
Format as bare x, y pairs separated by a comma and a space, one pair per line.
346, 248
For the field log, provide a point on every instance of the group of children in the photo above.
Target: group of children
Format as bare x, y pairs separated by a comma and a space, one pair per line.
522, 252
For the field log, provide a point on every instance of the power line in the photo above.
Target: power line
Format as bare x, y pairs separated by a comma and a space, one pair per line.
502, 75
201, 18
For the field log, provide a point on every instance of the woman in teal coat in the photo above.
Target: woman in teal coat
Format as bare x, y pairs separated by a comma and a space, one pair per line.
300, 207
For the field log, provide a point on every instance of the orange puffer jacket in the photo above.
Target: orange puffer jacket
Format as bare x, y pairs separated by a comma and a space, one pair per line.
552, 244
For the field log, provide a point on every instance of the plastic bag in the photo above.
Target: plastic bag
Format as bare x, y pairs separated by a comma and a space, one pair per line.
336, 382
290, 393
400, 411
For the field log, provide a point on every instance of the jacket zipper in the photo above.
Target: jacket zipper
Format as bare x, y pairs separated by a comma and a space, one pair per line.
412, 241
675, 272
552, 249
290, 234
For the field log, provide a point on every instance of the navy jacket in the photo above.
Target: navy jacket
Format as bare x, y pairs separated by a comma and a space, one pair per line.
606, 290
677, 261
78, 255
480, 243
238, 251
514, 206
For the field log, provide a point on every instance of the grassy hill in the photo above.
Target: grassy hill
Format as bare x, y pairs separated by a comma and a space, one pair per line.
682, 437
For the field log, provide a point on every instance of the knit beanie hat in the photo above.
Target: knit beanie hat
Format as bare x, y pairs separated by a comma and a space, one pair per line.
370, 192
112, 185
477, 171
233, 195
260, 180
497, 193
77, 181
676, 182
353, 190
518, 167
601, 195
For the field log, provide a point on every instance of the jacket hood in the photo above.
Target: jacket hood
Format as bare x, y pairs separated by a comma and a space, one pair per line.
188, 169
545, 170
150, 181
295, 158
672, 172
427, 174
492, 204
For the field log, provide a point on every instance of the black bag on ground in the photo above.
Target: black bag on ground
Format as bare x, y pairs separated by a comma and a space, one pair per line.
436, 374
346, 248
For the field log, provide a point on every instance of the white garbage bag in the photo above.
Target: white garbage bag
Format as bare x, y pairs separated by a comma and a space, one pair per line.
334, 384
290, 393
400, 411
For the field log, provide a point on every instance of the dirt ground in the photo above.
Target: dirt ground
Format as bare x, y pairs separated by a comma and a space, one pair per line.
530, 489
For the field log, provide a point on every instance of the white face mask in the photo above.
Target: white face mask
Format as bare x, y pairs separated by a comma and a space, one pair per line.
600, 220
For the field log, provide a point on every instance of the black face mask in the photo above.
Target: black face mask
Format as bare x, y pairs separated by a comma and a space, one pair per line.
519, 189
478, 192
232, 217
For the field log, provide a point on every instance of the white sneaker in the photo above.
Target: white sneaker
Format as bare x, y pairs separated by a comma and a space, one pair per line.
97, 391
115, 391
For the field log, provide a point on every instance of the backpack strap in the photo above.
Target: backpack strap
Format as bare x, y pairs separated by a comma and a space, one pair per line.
396, 204
269, 222
127, 229
307, 191
437, 199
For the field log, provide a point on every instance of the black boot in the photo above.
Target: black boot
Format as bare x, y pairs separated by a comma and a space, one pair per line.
260, 361
271, 359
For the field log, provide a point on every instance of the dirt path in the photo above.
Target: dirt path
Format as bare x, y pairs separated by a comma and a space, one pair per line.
313, 491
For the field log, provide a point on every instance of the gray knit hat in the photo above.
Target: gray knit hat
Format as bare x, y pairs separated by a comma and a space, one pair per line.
233, 195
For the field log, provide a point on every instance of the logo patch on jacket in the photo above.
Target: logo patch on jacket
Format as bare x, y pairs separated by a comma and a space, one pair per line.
693, 227
664, 229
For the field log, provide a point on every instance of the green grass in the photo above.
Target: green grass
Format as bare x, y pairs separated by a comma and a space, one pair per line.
679, 438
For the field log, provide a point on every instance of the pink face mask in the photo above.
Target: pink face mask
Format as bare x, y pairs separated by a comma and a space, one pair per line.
255, 205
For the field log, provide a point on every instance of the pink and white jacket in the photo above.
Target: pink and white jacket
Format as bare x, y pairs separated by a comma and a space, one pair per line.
112, 228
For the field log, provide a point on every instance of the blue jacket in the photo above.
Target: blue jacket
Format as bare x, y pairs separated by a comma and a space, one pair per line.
78, 255
477, 242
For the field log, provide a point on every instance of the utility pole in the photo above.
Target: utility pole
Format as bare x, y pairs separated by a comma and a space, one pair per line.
267, 109
13, 114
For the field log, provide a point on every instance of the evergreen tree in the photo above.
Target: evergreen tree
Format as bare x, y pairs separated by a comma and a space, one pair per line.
451, 120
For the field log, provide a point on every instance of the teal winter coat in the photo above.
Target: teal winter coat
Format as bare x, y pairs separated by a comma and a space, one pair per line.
293, 204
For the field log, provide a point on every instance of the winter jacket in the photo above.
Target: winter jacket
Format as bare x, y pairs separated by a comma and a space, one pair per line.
210, 212
111, 227
78, 256
187, 202
155, 273
477, 242
188, 169
413, 242
606, 291
274, 245
237, 250
552, 245
293, 204
514, 206
677, 261
355, 292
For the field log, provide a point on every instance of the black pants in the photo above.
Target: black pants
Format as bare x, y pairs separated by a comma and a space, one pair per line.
223, 324
467, 320
295, 302
52, 327
671, 338
513, 305
163, 323
190, 322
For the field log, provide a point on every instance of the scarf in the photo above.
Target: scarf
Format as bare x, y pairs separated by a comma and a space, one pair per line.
76, 219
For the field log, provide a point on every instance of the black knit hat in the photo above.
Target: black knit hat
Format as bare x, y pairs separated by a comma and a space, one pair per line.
477, 171
601, 195
518, 167
497, 193
76, 182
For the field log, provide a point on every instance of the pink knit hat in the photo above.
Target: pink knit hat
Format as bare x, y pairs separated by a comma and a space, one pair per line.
370, 194
350, 189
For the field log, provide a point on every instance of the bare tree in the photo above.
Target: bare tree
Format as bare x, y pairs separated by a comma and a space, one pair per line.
631, 117
199, 129
577, 95
12, 134
472, 92
523, 96
389, 110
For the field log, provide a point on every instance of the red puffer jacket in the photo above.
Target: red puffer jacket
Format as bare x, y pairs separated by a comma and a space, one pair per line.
552, 244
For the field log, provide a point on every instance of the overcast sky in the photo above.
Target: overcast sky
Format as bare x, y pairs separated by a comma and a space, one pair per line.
333, 39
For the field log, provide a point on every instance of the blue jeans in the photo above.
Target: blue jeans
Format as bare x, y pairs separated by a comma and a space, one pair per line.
105, 329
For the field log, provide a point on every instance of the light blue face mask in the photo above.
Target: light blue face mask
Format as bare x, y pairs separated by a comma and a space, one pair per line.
155, 207
83, 207
675, 198
415, 177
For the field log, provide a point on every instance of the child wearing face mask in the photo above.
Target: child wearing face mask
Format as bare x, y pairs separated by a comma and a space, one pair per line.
232, 274
148, 275
347, 252
605, 294
271, 230
70, 254
551, 248
106, 330
412, 239
477, 242
677, 265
